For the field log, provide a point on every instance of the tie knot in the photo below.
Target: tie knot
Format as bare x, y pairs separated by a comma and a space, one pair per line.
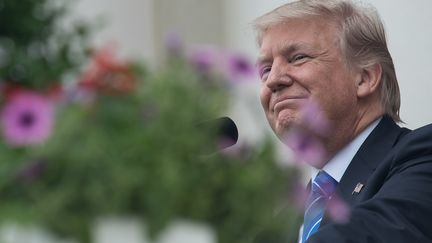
324, 184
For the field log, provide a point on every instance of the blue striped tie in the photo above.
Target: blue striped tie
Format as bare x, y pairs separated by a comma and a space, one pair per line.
321, 190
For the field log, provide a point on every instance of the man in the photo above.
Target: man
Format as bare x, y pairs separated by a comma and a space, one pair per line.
334, 53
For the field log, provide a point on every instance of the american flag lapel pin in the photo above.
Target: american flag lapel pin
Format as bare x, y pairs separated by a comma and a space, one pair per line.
358, 188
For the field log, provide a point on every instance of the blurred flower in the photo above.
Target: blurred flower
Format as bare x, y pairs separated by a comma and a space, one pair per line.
238, 67
338, 210
55, 92
305, 146
205, 59
27, 118
173, 43
305, 137
314, 119
234, 67
107, 74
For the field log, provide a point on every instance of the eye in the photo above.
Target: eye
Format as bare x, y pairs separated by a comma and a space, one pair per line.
264, 71
299, 58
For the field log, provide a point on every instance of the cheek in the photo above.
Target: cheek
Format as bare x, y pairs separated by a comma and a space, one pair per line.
337, 102
265, 98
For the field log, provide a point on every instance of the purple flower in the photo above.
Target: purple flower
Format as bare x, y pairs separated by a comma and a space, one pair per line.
27, 118
338, 210
173, 43
306, 147
314, 119
205, 59
238, 67
306, 137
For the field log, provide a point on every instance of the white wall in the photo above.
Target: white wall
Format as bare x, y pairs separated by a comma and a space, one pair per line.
128, 24
409, 28
196, 22
139, 27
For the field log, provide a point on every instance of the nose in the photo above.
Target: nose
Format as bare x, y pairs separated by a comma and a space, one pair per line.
278, 78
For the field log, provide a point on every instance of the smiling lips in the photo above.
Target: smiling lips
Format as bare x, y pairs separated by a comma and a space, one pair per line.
286, 103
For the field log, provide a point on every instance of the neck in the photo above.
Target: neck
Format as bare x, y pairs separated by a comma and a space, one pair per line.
348, 130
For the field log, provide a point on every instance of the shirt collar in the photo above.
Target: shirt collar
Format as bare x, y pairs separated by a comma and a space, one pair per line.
337, 165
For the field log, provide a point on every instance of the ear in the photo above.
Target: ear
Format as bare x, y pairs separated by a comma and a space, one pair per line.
370, 79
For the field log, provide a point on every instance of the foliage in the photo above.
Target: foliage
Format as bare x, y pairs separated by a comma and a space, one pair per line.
37, 46
141, 154
130, 142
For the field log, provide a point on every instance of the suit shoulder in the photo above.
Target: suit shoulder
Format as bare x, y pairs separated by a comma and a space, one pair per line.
415, 145
417, 137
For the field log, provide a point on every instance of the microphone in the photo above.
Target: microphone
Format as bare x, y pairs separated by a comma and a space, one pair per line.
225, 130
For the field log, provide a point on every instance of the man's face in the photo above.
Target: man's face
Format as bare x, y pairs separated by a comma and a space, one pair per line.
300, 61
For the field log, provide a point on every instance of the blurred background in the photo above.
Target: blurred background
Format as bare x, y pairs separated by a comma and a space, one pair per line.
100, 103
227, 23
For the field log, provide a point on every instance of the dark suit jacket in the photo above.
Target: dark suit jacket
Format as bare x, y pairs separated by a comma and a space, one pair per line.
395, 204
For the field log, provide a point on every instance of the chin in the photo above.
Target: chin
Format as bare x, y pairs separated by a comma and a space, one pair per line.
281, 124
281, 129
285, 122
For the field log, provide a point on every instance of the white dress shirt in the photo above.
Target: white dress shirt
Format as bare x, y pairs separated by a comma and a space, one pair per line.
337, 165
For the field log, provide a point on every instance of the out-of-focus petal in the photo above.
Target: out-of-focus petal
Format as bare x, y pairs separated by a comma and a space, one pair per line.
239, 68
338, 210
27, 118
306, 147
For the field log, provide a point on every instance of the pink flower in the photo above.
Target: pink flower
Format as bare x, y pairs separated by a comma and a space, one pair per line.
238, 67
27, 118
314, 119
338, 210
305, 138
205, 59
306, 147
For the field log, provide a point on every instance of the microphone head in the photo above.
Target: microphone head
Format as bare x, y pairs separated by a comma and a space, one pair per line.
228, 132
225, 130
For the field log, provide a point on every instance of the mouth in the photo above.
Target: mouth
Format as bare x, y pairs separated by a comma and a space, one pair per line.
287, 103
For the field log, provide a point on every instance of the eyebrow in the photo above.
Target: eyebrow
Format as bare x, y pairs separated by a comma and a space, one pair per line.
285, 48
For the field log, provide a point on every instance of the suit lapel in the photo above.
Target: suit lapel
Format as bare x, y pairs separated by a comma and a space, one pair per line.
373, 150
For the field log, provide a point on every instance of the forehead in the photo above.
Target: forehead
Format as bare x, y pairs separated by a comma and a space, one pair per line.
299, 33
